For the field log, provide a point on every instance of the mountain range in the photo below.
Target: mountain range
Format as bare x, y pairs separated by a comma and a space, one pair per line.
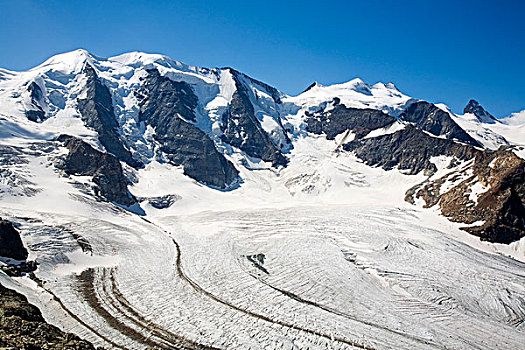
96, 151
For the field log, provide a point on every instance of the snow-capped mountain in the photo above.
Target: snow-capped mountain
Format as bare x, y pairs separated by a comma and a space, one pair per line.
174, 206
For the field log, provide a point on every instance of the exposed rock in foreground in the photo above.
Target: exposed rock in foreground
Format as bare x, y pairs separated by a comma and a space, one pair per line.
341, 118
11, 245
23, 327
168, 106
409, 149
103, 167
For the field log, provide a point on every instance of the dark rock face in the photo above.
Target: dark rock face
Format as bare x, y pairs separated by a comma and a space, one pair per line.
270, 89
11, 245
168, 107
432, 119
104, 167
161, 96
97, 113
243, 130
23, 327
473, 107
311, 86
19, 269
500, 205
408, 149
37, 97
342, 118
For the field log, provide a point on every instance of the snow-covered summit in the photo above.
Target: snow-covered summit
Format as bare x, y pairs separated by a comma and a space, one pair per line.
68, 62
355, 94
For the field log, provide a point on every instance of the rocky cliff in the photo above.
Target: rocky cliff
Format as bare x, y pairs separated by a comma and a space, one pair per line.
96, 109
168, 107
243, 130
105, 169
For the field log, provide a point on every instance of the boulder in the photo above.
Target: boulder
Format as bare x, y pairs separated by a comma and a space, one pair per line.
11, 245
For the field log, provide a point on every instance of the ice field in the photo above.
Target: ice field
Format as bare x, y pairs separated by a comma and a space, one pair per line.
304, 277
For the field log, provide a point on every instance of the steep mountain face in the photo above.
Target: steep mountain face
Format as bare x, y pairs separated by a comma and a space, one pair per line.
105, 169
410, 149
242, 129
473, 107
340, 118
168, 107
98, 113
35, 112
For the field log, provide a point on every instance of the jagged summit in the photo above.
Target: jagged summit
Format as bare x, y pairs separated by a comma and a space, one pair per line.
473, 107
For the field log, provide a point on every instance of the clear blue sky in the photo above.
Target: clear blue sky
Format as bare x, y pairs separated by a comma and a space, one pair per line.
441, 51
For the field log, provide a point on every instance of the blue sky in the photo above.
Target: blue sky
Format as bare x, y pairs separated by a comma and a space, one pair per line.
440, 51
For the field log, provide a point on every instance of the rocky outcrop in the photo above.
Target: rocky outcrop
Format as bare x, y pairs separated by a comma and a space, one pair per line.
489, 195
11, 245
436, 121
168, 106
409, 149
23, 327
35, 112
341, 118
242, 129
162, 202
105, 169
96, 110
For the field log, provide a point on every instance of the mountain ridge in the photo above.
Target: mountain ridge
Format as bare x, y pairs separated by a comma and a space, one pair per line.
213, 123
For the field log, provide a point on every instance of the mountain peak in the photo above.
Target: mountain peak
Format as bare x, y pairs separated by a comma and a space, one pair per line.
355, 82
72, 61
473, 107
138, 58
